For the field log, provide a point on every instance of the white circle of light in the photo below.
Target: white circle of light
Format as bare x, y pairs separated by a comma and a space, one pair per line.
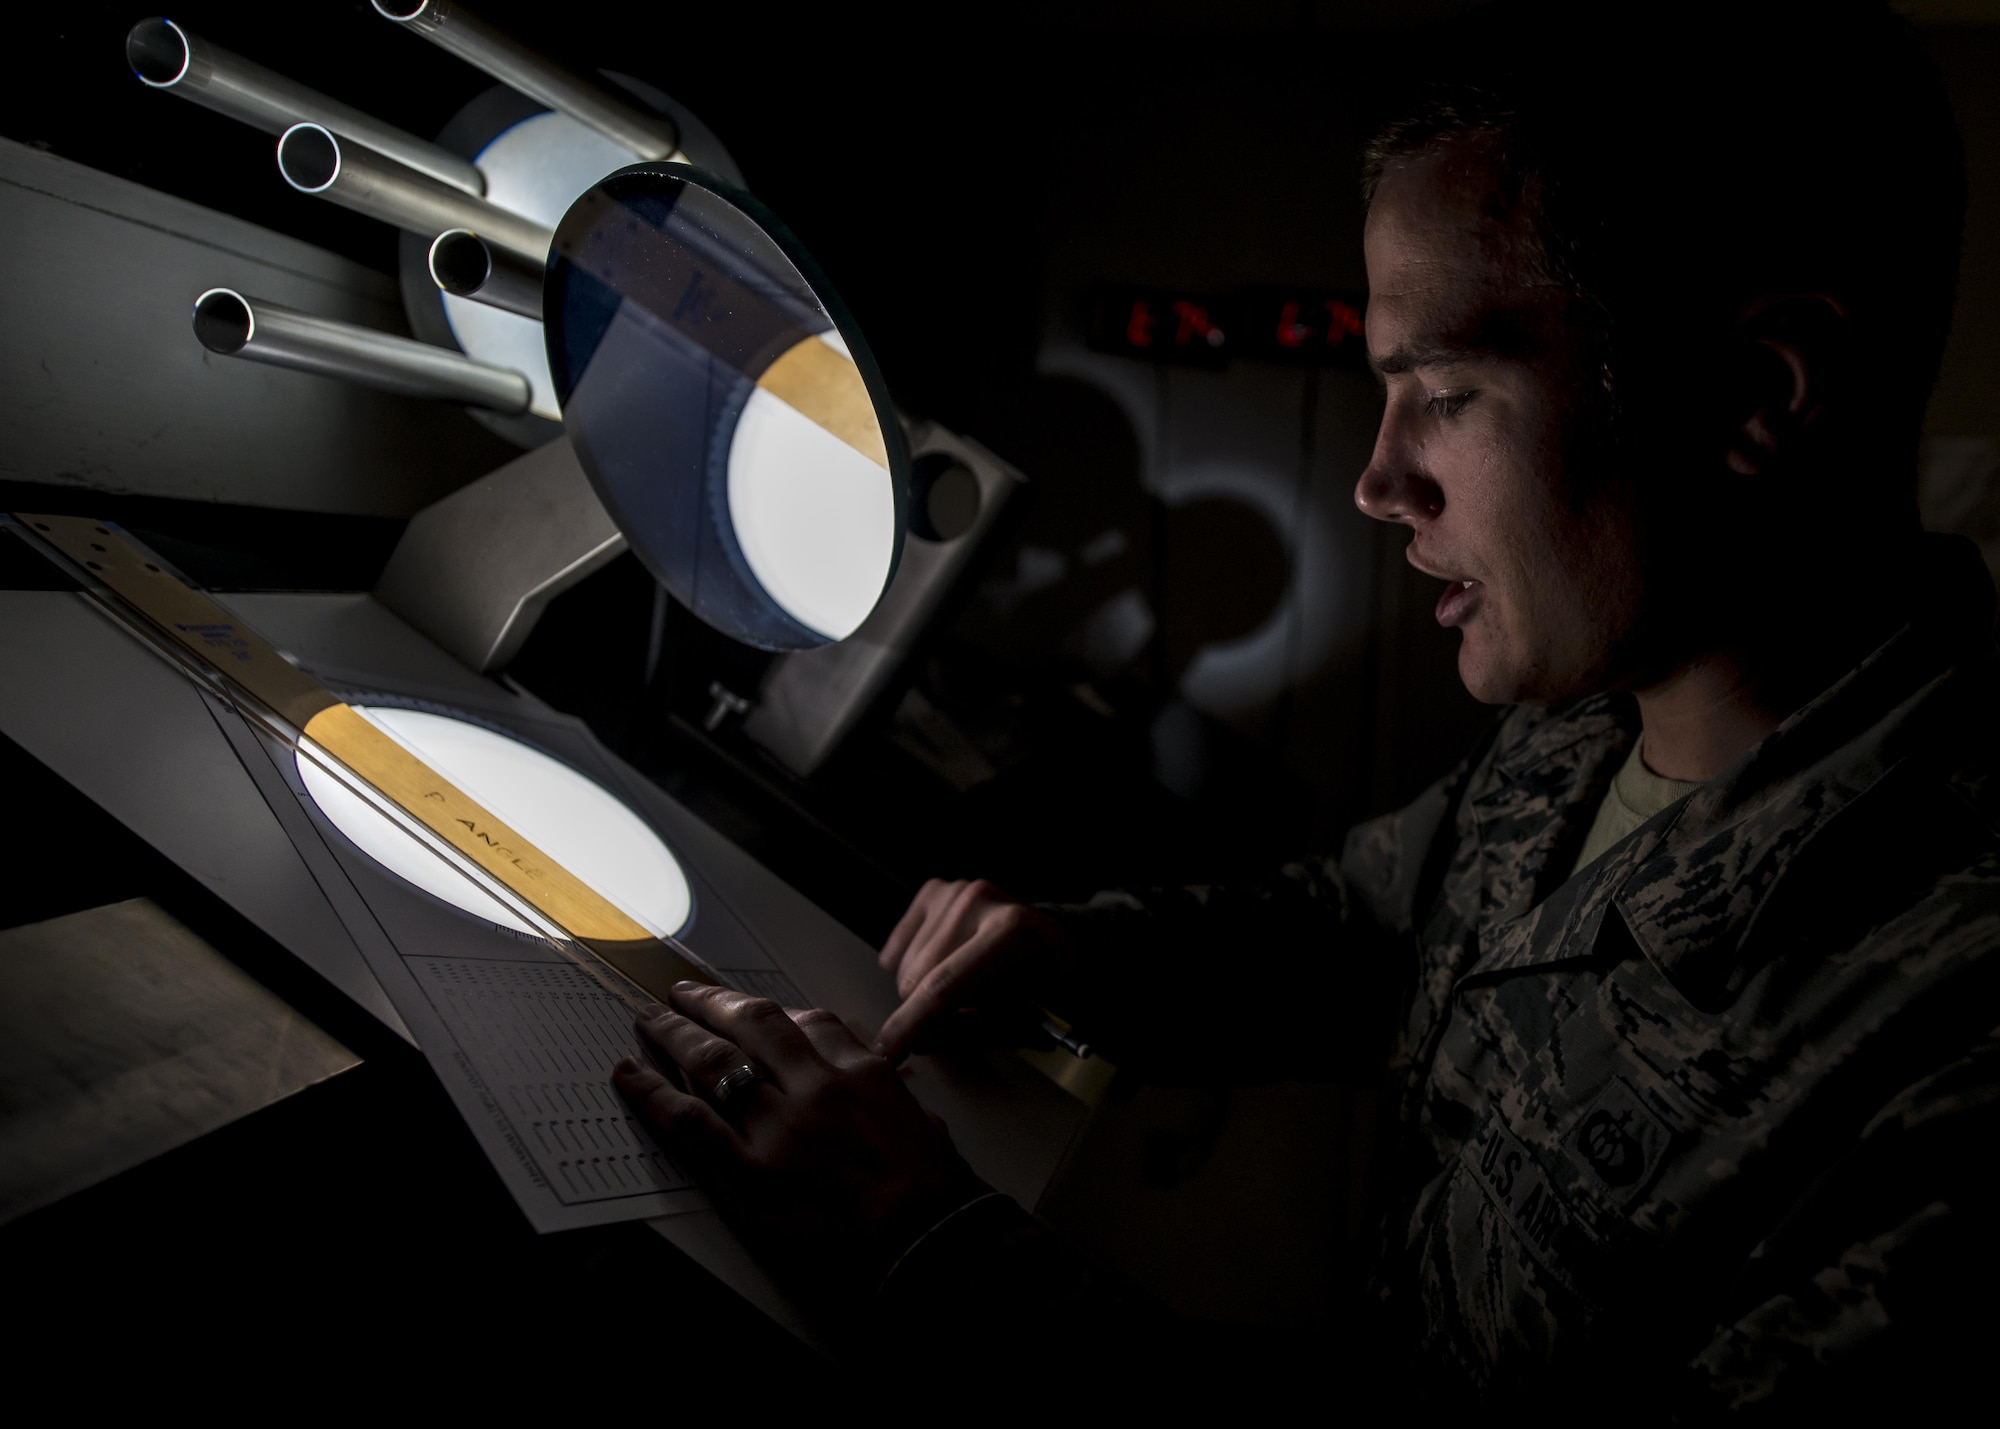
537, 169
815, 519
570, 818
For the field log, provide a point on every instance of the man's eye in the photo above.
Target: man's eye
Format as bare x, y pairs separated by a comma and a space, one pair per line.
1448, 404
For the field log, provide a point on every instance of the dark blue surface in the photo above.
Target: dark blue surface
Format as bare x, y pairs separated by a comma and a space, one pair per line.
668, 294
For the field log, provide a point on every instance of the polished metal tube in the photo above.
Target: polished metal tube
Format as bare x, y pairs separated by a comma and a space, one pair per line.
232, 325
165, 56
451, 27
467, 266
314, 161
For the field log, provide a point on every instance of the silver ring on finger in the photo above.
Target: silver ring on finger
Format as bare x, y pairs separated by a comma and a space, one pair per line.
734, 1084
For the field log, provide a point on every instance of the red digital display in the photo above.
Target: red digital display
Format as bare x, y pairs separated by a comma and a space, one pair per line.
1329, 322
1268, 324
1172, 324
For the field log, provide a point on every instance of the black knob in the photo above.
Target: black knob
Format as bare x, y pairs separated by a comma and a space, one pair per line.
944, 497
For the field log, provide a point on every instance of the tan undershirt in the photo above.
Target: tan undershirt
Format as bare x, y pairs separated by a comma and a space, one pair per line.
1636, 794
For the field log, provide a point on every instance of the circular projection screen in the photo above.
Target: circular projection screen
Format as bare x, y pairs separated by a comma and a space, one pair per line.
724, 407
575, 821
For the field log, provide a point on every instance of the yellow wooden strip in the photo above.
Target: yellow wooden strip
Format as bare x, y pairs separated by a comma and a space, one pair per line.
461, 821
186, 616
825, 387
224, 644
457, 818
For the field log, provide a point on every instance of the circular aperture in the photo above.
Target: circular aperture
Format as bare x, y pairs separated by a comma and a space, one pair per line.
223, 322
946, 497
308, 157
573, 820
460, 262
158, 52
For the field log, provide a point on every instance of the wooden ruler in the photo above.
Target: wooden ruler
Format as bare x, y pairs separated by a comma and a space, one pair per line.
219, 641
825, 387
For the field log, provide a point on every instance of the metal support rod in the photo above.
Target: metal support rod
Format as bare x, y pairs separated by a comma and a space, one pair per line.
165, 56
314, 161
452, 27
232, 325
466, 265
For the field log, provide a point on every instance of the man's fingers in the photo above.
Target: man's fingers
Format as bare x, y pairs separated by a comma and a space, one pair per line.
940, 992
756, 1025
901, 1030
682, 1123
832, 1038
935, 894
942, 935
702, 1056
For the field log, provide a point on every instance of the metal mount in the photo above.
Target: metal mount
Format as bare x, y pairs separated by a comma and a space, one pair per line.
475, 571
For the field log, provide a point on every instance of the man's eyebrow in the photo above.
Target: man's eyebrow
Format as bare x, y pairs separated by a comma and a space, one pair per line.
1498, 335
1412, 359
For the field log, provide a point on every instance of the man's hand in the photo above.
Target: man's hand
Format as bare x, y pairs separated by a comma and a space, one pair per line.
962, 947
825, 1163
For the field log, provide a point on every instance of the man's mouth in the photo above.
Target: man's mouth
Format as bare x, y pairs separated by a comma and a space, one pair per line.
1459, 600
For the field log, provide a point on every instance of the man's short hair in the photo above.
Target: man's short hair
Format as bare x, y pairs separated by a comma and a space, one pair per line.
1705, 153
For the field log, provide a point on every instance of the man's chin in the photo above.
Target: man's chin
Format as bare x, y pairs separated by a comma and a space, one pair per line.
1493, 682
1492, 678
1486, 679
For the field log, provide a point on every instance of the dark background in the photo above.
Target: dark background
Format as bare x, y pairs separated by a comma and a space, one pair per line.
967, 180
1187, 655
1190, 653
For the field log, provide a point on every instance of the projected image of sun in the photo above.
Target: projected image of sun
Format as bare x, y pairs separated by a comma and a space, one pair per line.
572, 819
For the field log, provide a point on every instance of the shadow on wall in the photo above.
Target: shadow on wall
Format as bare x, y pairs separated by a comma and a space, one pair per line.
1191, 569
1085, 596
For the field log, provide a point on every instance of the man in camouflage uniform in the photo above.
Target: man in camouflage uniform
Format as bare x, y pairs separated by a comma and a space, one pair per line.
1685, 978
1715, 1104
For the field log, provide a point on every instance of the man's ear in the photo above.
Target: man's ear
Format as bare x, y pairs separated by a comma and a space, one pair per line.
1791, 352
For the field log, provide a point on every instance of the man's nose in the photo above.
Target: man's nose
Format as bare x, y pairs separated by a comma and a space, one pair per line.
1394, 487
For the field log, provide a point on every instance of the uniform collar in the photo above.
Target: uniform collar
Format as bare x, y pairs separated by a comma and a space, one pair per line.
1545, 790
1693, 895
1692, 892
1690, 884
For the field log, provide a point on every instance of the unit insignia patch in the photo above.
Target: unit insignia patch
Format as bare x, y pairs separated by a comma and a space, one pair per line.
1620, 1141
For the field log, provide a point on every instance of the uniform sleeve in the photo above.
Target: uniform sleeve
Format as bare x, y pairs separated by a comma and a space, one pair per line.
1877, 1292
1326, 941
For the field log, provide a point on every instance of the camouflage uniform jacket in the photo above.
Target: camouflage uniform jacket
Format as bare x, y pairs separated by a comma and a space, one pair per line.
1708, 1117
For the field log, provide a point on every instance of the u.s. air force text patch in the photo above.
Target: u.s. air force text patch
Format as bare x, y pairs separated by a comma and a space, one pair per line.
1515, 1183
